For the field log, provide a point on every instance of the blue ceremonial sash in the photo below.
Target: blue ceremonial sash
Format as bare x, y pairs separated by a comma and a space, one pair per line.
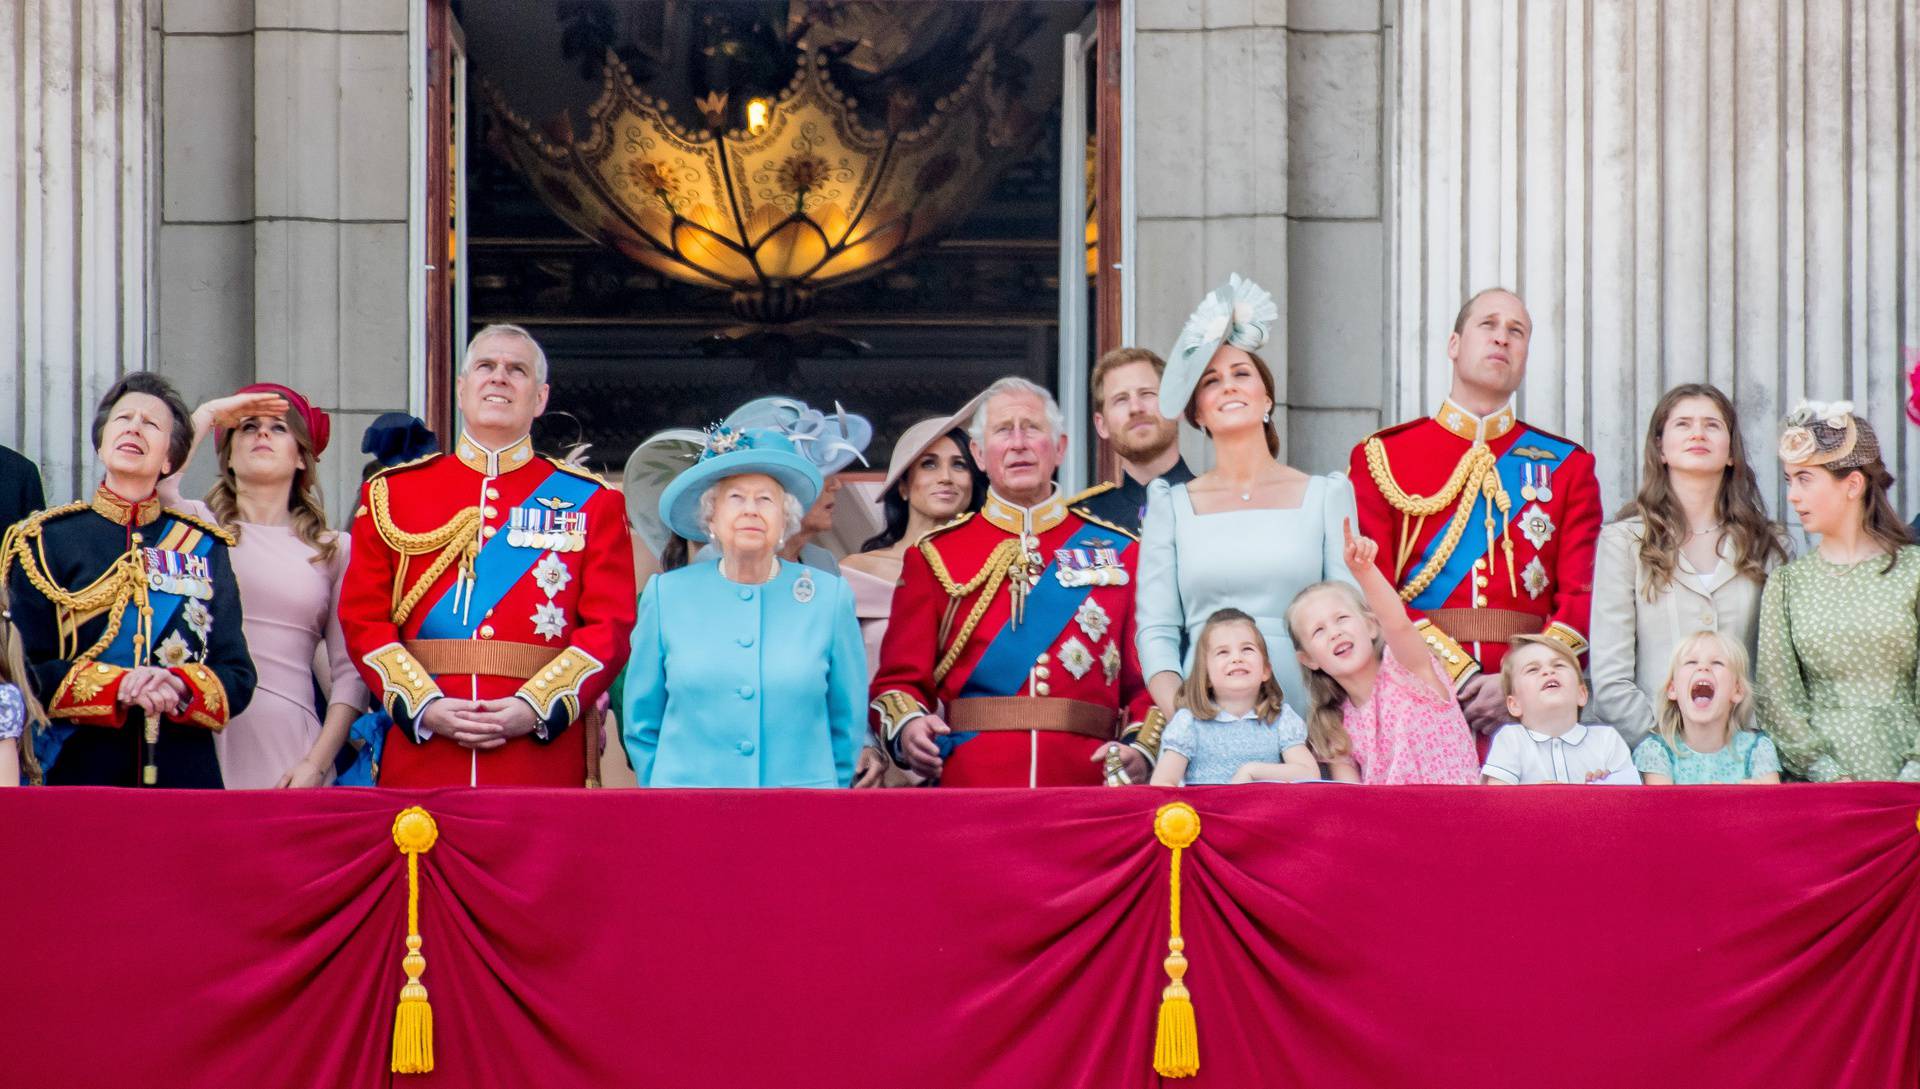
1002, 670
47, 743
499, 565
1473, 543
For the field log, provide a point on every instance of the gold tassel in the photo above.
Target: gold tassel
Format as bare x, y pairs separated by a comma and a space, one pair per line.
1176, 1038
414, 833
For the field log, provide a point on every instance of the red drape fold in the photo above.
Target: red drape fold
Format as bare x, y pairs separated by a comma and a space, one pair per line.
1401, 936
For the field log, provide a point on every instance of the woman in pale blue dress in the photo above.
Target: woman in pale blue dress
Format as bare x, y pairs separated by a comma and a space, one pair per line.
1251, 532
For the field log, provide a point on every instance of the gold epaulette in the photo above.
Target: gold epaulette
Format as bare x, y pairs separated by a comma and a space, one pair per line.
580, 471
220, 533
1089, 516
421, 460
30, 526
954, 523
1101, 488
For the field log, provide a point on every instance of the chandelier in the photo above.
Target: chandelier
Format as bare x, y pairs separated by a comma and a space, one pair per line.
772, 199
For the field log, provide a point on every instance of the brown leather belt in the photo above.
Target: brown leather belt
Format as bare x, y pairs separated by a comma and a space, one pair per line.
1023, 713
1486, 625
463, 657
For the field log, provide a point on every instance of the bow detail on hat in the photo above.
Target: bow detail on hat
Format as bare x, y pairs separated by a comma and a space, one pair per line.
1240, 315
831, 442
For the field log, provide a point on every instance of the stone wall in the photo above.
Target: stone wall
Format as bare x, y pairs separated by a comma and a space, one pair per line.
76, 83
1682, 191
282, 235
1258, 134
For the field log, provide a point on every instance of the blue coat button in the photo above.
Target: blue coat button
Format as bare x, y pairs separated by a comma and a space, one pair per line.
746, 594
746, 691
745, 747
745, 640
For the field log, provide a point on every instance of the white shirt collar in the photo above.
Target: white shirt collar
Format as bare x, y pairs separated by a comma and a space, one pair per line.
1572, 737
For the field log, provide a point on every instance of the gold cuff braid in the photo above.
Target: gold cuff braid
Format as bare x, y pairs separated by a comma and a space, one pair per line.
894, 708
1453, 657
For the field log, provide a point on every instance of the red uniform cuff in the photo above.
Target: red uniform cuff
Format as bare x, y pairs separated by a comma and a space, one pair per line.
206, 697
90, 695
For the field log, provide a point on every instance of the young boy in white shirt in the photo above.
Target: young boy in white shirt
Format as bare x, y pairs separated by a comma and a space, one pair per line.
1549, 744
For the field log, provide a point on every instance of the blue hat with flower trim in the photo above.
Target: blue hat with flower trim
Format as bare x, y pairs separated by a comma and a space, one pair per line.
732, 452
1239, 312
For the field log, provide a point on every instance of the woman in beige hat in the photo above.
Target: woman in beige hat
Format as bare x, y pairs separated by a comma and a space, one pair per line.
931, 479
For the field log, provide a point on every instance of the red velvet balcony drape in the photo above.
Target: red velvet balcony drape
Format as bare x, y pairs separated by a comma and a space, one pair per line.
1338, 936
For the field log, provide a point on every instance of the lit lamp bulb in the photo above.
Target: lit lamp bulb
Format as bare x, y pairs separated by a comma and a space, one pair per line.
757, 109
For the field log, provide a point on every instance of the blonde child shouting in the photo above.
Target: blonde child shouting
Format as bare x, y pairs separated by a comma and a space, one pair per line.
1703, 731
1374, 690
1234, 726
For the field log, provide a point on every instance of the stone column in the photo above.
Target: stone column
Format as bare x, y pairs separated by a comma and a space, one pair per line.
282, 250
1682, 191
1258, 151
74, 199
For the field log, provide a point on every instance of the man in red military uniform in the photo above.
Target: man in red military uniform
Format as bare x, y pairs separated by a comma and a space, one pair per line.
490, 597
1487, 526
1009, 659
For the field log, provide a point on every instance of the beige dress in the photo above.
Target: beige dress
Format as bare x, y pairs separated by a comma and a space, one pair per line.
873, 604
1633, 639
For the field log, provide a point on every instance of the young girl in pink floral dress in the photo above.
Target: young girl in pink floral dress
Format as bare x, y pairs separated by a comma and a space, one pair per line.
1371, 676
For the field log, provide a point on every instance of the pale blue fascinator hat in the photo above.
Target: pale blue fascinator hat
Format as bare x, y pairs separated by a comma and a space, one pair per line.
832, 441
1239, 312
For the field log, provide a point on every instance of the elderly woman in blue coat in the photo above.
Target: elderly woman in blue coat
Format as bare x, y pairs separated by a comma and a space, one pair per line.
748, 672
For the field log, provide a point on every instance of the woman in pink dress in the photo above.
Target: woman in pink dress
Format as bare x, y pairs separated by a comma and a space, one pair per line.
288, 563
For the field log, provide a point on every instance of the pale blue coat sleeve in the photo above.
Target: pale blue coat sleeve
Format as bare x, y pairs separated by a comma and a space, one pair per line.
1158, 613
1340, 509
646, 691
846, 684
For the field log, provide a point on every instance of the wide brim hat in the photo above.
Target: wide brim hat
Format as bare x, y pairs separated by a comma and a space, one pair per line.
734, 453
916, 440
654, 464
1238, 312
831, 441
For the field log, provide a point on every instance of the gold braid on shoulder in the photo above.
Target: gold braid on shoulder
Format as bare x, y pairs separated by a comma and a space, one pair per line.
120, 584
1477, 473
987, 580
463, 530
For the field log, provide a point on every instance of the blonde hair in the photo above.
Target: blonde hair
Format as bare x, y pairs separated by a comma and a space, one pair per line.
1508, 670
1670, 722
1196, 692
1326, 725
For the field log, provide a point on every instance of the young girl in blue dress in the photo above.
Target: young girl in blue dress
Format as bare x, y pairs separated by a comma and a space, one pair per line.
1233, 727
1704, 728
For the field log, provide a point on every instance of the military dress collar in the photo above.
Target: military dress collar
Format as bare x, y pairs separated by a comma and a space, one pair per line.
487, 462
1472, 428
1025, 521
123, 513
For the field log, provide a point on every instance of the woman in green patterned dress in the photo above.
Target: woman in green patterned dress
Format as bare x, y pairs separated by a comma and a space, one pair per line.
1838, 626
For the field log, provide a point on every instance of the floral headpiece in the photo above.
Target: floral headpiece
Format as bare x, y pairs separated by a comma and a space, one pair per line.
832, 441
1828, 434
1239, 312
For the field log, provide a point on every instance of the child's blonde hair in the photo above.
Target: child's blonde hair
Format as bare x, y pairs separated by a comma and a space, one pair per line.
1326, 726
1196, 692
1670, 722
1534, 639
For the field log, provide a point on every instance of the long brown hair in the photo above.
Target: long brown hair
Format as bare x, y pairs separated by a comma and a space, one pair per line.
13, 659
1879, 519
1266, 379
1326, 723
303, 496
1739, 507
1196, 692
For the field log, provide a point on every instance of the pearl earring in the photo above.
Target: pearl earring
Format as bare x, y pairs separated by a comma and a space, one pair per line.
1268, 417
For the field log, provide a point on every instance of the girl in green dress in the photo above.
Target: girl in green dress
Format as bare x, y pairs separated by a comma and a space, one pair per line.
1838, 627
